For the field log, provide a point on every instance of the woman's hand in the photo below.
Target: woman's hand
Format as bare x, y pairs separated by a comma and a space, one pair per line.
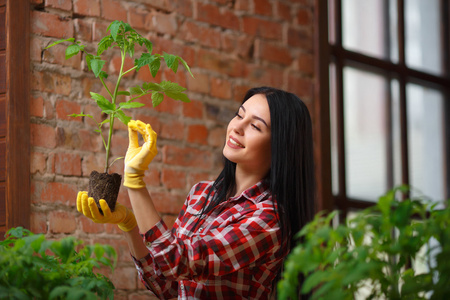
121, 216
138, 157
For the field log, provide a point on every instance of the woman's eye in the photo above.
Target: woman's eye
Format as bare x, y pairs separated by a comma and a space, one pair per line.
256, 127
238, 115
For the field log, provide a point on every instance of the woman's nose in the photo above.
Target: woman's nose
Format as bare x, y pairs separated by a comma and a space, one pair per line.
238, 127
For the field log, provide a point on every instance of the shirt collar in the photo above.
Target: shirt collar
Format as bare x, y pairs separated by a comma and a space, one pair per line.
256, 193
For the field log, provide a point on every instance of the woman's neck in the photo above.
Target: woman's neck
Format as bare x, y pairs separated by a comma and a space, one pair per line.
245, 180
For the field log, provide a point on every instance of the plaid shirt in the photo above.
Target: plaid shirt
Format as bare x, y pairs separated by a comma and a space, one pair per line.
235, 251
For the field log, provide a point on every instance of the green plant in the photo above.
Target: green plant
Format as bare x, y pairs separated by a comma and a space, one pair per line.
32, 267
397, 249
126, 40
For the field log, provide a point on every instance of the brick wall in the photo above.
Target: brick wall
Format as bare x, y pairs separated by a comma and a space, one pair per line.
231, 45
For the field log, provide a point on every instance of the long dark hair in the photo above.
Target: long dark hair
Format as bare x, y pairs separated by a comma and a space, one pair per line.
291, 175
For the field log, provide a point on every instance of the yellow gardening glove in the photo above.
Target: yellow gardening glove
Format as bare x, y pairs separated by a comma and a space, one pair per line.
138, 157
121, 216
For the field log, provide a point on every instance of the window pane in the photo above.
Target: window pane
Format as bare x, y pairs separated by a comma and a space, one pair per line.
423, 32
425, 114
396, 134
333, 131
365, 134
363, 26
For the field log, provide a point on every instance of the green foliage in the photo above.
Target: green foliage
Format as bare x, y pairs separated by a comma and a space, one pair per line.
125, 38
397, 249
32, 267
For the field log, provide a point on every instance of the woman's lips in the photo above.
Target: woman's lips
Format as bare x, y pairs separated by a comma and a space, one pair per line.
232, 143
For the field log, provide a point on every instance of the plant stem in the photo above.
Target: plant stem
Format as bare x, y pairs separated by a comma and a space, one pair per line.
111, 119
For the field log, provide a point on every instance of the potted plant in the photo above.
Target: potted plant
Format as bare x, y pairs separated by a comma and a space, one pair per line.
103, 185
32, 267
397, 249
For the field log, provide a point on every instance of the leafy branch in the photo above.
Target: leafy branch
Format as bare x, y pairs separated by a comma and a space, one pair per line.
126, 38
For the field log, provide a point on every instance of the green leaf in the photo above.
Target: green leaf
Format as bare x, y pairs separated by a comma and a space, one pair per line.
148, 45
136, 90
103, 103
157, 98
154, 67
184, 63
145, 59
72, 50
169, 86
97, 65
122, 117
114, 28
178, 96
59, 42
171, 61
123, 93
104, 44
128, 105
151, 86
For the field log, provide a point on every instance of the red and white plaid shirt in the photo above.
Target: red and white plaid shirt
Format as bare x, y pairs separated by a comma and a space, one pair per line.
235, 251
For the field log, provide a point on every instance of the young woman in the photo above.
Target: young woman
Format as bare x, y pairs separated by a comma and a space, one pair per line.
232, 234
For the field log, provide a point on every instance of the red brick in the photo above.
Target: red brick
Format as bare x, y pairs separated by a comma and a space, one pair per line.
187, 157
99, 30
68, 164
93, 162
197, 134
201, 34
264, 75
83, 30
153, 177
262, 28
284, 10
220, 63
263, 7
220, 88
38, 163
88, 226
243, 5
302, 87
36, 46
90, 141
37, 107
213, 15
196, 177
217, 137
139, 18
38, 222
113, 10
301, 38
125, 278
87, 7
173, 179
275, 53
51, 25
173, 130
239, 92
164, 23
178, 77
238, 44
144, 75
62, 222
168, 203
305, 63
43, 136
183, 7
61, 4
193, 109
51, 82
199, 84
65, 108
304, 17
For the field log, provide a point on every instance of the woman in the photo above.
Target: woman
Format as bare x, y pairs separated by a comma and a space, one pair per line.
232, 234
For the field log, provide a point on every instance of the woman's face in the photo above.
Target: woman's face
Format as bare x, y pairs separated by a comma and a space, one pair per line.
248, 136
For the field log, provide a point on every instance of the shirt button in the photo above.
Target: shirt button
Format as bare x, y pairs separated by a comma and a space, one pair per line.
149, 244
201, 228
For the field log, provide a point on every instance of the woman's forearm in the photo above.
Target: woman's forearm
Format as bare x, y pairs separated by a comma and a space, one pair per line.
143, 208
135, 243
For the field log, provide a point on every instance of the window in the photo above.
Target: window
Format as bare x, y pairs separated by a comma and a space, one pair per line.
389, 99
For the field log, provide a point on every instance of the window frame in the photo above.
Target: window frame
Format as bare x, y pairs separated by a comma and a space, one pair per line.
18, 74
336, 53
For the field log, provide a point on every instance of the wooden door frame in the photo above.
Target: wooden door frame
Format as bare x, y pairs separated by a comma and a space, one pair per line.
18, 113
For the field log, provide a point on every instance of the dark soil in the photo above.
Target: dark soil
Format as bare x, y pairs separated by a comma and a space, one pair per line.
104, 186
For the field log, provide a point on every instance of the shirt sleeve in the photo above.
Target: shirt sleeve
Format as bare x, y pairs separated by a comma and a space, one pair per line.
251, 236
